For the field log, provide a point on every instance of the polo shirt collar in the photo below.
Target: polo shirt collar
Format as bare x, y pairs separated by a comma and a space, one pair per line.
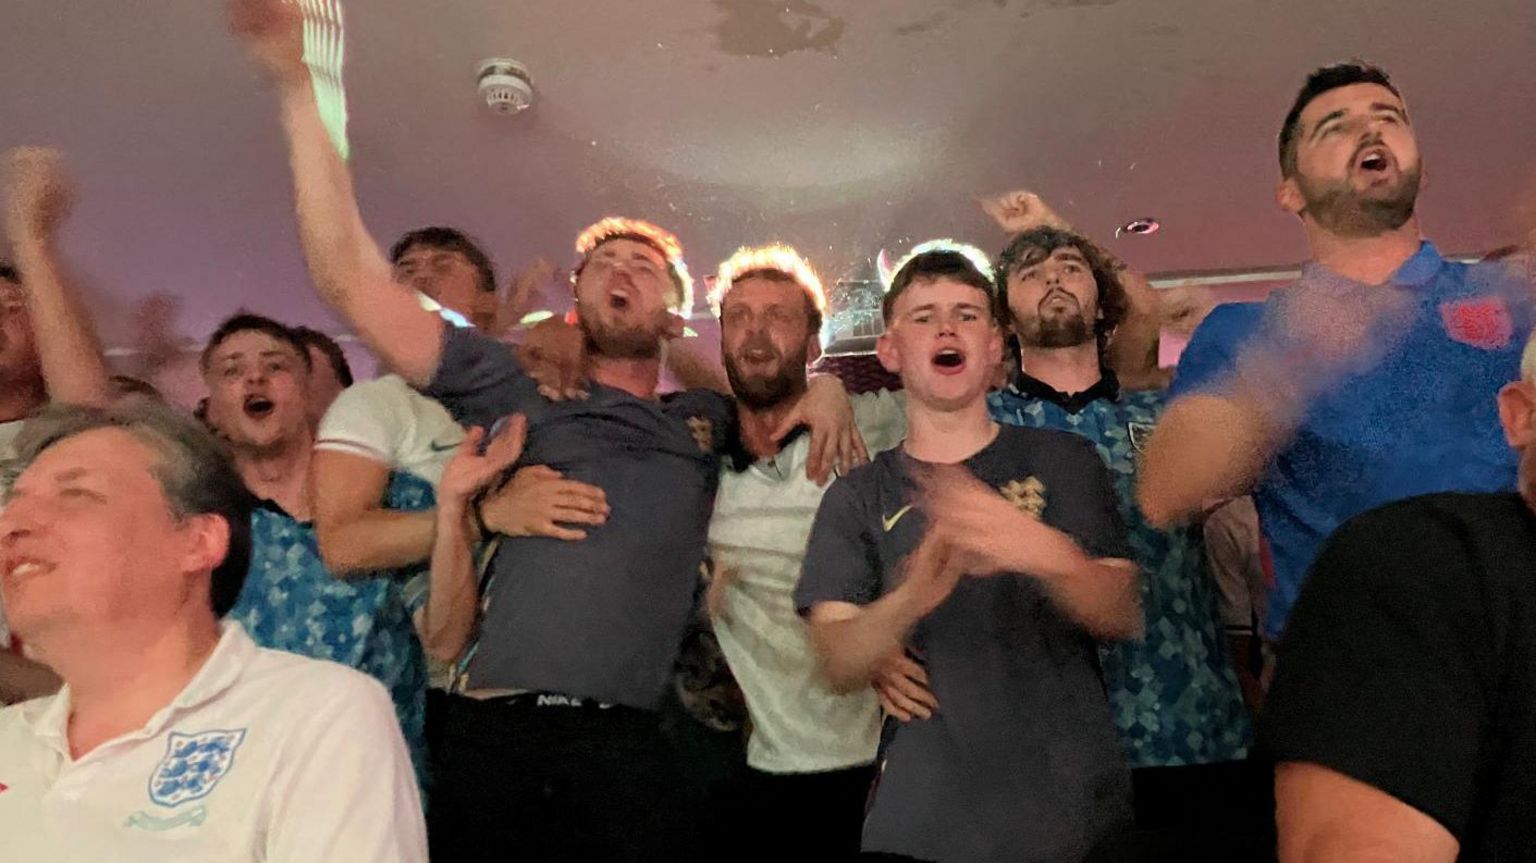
1107, 387
50, 722
1415, 272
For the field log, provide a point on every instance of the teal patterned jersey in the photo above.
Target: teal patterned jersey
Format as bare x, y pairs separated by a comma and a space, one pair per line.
1174, 694
291, 602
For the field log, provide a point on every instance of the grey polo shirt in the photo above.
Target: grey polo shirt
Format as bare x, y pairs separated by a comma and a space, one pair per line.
1021, 762
601, 618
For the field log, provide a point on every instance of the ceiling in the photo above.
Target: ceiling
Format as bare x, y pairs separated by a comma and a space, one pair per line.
841, 126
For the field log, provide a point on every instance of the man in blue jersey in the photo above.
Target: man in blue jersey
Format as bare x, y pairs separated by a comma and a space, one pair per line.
1370, 380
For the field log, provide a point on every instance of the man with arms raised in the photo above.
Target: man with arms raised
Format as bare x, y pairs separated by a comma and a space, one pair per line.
554, 749
1370, 380
995, 555
122, 543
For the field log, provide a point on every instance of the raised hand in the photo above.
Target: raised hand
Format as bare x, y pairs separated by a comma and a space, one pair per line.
1020, 211
470, 471
38, 193
521, 294
985, 532
273, 32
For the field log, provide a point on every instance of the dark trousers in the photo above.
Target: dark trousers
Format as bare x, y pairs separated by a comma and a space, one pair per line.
519, 781
803, 816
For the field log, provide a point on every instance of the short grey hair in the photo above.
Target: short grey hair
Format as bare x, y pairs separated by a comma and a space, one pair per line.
192, 468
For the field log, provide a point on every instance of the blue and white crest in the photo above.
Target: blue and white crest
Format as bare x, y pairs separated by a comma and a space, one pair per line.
193, 765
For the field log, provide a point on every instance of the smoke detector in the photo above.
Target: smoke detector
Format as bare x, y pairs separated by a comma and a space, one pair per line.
505, 86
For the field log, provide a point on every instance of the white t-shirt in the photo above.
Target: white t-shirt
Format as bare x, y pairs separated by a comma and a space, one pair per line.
761, 523
387, 421
264, 757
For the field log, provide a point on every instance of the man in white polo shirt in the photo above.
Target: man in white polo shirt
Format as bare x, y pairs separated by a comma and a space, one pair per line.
124, 539
812, 750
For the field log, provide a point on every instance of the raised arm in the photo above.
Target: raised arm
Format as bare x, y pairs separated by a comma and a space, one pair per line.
68, 351
345, 262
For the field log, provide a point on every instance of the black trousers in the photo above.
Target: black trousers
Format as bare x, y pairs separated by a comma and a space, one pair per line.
517, 780
803, 816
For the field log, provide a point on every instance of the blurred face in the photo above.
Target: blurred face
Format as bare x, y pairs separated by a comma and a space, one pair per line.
943, 342
88, 538
18, 351
621, 299
447, 277
1054, 303
258, 392
766, 340
1357, 162
324, 385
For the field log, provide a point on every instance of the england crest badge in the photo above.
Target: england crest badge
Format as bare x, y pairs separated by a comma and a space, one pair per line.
193, 765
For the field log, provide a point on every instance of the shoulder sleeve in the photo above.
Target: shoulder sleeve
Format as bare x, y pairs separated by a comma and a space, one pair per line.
364, 420
881, 418
840, 560
1386, 669
1213, 347
1082, 501
479, 379
346, 790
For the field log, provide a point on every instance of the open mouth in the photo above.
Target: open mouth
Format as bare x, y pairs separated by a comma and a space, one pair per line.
757, 356
258, 407
1375, 160
22, 568
949, 360
619, 301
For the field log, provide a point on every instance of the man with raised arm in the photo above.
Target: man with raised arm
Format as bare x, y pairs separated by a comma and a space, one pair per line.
996, 557
48, 345
554, 749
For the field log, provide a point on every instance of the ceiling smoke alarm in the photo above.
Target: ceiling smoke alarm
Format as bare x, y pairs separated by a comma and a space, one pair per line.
505, 86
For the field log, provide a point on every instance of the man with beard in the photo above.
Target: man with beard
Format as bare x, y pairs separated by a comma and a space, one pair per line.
553, 749
1370, 380
257, 372
811, 748
1403, 706
997, 557
1174, 694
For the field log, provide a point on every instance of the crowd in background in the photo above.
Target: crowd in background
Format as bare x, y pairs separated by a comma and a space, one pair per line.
1037, 601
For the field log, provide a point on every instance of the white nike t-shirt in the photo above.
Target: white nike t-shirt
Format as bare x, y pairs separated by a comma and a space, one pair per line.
387, 421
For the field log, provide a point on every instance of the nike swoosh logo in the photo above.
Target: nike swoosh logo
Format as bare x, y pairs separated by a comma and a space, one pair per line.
890, 521
438, 447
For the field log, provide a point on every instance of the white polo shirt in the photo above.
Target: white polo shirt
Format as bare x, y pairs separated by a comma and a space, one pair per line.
759, 530
264, 757
387, 421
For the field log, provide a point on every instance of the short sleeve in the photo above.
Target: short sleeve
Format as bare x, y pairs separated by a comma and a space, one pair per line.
479, 379
1384, 673
1082, 502
364, 421
881, 418
841, 564
1214, 346
347, 790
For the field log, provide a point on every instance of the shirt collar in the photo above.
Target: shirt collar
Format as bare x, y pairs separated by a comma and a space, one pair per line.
1416, 271
49, 722
1107, 387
